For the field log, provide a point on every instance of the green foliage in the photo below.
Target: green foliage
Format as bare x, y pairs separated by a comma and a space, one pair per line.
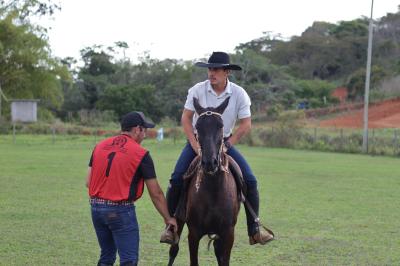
73, 99
95, 74
285, 132
276, 71
346, 29
124, 99
330, 51
28, 8
356, 82
316, 92
27, 69
168, 122
45, 115
266, 84
294, 135
274, 111
96, 62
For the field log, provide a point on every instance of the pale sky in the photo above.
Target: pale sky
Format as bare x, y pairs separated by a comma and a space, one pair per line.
186, 29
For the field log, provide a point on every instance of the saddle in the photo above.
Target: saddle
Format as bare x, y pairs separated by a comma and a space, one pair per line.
228, 165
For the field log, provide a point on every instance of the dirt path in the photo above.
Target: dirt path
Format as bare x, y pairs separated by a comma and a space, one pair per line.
385, 114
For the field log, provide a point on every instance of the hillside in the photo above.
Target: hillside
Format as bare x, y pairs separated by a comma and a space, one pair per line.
385, 114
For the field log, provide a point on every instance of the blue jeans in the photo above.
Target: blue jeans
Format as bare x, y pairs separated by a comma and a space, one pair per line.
117, 229
188, 155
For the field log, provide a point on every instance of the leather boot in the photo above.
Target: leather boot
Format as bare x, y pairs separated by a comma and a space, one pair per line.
257, 234
173, 192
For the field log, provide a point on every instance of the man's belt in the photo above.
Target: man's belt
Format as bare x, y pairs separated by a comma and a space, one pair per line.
110, 202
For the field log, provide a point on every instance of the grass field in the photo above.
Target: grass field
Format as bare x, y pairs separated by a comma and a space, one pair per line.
325, 208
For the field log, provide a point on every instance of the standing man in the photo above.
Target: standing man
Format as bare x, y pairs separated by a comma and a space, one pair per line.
118, 169
212, 93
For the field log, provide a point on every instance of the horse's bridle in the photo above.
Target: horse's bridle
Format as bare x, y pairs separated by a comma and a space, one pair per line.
209, 113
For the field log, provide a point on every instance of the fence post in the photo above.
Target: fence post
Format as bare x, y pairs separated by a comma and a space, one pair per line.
14, 132
315, 135
95, 136
341, 140
372, 143
53, 131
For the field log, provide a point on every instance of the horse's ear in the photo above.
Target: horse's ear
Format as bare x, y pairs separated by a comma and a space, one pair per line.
197, 106
221, 108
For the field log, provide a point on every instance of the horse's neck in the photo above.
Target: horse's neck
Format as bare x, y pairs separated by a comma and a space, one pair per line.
214, 183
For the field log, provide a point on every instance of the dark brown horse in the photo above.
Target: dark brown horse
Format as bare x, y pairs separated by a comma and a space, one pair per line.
212, 197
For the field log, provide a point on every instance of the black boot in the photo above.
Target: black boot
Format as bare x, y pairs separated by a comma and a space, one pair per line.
256, 233
173, 193
254, 200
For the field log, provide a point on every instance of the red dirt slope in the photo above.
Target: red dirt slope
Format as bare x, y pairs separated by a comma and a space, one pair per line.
385, 114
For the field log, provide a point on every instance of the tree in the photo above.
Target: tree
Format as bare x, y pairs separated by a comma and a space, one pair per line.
27, 8
356, 82
316, 92
124, 99
95, 74
27, 69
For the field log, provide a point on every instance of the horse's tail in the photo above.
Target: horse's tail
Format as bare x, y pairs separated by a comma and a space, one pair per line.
212, 238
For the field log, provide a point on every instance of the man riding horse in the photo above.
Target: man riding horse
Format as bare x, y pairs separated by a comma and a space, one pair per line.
212, 93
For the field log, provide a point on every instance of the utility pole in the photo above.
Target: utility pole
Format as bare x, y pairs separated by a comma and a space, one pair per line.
367, 81
1, 96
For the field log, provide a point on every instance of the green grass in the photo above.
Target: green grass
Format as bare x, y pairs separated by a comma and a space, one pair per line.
325, 208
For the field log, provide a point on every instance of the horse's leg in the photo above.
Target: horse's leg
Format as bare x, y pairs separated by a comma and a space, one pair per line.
194, 239
174, 249
223, 247
217, 249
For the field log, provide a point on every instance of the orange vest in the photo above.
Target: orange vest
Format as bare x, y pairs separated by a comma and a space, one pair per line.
114, 164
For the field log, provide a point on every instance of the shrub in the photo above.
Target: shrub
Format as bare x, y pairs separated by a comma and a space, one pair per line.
174, 133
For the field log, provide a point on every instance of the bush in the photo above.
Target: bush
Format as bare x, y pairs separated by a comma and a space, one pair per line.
45, 115
174, 133
168, 122
96, 117
5, 127
274, 111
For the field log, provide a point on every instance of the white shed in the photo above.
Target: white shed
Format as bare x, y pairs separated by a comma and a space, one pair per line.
24, 110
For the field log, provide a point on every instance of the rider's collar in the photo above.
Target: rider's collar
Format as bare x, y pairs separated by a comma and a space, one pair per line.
228, 89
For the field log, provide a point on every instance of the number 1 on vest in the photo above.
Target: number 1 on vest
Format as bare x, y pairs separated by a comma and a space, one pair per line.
110, 158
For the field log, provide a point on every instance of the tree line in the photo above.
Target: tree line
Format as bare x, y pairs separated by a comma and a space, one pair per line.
277, 73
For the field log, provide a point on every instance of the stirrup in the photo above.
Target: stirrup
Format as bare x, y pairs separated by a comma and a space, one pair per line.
261, 237
169, 237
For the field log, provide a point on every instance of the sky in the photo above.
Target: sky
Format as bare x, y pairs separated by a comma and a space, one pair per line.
189, 30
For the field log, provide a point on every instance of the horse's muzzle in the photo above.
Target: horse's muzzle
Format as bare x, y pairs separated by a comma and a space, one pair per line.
210, 166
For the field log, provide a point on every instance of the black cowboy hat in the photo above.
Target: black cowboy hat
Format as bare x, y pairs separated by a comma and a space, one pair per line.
219, 60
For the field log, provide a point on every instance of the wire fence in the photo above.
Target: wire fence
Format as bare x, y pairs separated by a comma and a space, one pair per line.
286, 135
65, 131
380, 141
